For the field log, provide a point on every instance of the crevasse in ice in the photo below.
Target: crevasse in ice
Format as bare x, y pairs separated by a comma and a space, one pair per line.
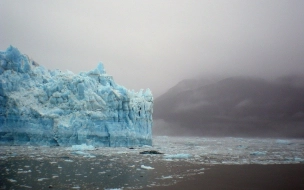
42, 107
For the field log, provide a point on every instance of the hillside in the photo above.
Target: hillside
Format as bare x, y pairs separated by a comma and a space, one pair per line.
236, 106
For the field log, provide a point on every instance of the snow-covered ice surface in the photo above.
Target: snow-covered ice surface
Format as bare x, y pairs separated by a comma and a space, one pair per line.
38, 167
43, 107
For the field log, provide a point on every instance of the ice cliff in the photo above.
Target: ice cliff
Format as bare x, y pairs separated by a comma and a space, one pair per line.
42, 107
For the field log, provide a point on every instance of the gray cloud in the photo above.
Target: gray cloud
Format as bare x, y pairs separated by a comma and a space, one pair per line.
158, 43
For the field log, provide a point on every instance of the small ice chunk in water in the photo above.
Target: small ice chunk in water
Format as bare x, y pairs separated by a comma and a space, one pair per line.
12, 180
177, 156
42, 179
281, 141
297, 159
167, 177
83, 147
89, 156
81, 153
258, 153
24, 172
146, 167
26, 186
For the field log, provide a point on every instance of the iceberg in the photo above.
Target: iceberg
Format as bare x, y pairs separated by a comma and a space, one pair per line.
55, 108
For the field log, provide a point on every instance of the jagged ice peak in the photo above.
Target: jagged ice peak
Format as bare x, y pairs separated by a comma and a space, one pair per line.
43, 107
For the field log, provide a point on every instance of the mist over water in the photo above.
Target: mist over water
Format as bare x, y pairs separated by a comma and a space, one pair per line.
156, 44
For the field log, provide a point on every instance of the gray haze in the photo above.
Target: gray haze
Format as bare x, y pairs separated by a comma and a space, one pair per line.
157, 43
235, 106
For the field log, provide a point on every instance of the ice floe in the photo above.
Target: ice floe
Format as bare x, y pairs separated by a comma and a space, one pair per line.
146, 167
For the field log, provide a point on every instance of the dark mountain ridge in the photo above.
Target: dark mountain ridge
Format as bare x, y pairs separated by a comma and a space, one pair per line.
235, 106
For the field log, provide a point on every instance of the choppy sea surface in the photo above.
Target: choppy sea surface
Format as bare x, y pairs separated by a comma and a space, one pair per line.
42, 167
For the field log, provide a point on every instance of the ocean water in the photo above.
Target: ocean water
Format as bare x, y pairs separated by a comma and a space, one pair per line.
30, 167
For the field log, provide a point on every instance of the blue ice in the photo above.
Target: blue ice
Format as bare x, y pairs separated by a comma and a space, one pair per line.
55, 108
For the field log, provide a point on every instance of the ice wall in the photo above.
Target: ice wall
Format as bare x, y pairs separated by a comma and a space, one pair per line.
42, 107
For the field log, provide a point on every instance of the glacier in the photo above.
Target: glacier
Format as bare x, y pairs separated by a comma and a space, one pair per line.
56, 108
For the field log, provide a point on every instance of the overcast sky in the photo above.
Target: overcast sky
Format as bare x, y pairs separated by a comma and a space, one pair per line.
154, 44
